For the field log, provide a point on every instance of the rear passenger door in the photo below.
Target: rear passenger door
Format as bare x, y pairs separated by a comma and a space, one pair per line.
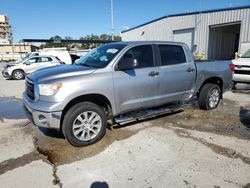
177, 76
45, 62
137, 88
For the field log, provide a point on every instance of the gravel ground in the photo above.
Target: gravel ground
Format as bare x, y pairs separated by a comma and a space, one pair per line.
189, 148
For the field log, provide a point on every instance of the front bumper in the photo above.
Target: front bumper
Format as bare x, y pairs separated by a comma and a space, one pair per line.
244, 78
40, 118
6, 74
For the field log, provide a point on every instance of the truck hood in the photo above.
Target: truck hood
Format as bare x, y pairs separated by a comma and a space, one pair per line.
241, 61
60, 71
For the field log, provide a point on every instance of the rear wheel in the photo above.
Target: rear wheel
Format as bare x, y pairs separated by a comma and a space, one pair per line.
18, 75
209, 96
84, 124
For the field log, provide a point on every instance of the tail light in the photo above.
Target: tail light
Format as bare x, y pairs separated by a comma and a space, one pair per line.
232, 67
62, 63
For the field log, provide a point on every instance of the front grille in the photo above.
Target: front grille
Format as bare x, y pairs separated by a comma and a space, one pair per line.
30, 89
242, 72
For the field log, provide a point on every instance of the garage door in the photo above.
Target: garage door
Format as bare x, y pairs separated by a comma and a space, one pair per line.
186, 36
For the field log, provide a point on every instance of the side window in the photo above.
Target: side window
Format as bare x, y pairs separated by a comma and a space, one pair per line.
143, 54
172, 54
46, 59
33, 60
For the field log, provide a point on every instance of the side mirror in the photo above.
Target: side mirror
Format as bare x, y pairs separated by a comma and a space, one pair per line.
27, 63
127, 63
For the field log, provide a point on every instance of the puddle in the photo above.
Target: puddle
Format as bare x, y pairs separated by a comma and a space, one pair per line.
11, 108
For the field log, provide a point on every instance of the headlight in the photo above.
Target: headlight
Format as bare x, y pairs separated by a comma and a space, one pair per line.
49, 89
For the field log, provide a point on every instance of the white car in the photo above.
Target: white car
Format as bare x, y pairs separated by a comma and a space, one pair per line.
61, 53
242, 68
18, 70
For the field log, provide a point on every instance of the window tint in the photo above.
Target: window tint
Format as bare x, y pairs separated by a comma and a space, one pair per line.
46, 59
33, 60
143, 54
171, 54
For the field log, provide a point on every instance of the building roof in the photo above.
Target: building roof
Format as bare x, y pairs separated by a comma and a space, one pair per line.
188, 13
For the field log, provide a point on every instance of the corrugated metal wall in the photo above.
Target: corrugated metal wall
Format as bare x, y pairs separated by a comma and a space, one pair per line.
163, 28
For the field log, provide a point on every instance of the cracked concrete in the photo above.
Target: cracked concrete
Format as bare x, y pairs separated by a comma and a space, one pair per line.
56, 180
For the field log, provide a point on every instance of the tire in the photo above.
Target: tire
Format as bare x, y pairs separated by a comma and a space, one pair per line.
234, 85
84, 124
18, 75
209, 96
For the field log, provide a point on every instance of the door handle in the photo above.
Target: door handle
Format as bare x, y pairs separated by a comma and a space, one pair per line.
153, 73
190, 69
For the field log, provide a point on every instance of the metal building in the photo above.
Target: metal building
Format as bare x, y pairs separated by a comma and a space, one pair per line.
217, 34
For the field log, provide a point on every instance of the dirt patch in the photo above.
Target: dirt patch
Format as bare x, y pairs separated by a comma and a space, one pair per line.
59, 151
228, 119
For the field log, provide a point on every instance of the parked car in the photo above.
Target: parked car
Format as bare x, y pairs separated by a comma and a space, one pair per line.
18, 70
121, 81
242, 68
62, 53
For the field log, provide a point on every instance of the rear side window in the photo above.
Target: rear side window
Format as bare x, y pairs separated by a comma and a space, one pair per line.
46, 59
143, 54
172, 54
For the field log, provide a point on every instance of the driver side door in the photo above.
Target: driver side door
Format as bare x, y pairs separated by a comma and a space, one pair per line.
137, 88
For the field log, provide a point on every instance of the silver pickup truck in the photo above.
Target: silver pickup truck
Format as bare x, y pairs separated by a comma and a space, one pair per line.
121, 81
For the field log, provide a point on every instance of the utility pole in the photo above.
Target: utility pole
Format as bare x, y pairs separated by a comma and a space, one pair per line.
112, 19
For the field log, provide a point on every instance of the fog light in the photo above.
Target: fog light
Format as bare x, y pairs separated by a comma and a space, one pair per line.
42, 119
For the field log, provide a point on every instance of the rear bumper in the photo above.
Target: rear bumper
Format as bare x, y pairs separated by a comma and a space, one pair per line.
40, 118
243, 78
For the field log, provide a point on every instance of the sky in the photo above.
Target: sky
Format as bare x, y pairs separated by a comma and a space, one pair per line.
78, 18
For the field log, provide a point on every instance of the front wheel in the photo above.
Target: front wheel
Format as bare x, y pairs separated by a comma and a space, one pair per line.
84, 124
18, 75
209, 96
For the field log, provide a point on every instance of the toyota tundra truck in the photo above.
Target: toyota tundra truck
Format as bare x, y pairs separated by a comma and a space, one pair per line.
119, 82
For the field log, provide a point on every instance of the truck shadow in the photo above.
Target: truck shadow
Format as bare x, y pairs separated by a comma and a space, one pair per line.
51, 132
244, 115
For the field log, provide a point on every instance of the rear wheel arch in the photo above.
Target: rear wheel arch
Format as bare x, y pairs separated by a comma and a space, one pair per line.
213, 80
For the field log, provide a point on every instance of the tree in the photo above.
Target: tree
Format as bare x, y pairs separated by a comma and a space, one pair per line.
69, 45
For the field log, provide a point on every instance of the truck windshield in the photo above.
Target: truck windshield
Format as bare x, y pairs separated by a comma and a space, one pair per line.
100, 57
246, 54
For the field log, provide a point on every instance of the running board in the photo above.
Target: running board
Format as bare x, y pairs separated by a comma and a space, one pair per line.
147, 113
